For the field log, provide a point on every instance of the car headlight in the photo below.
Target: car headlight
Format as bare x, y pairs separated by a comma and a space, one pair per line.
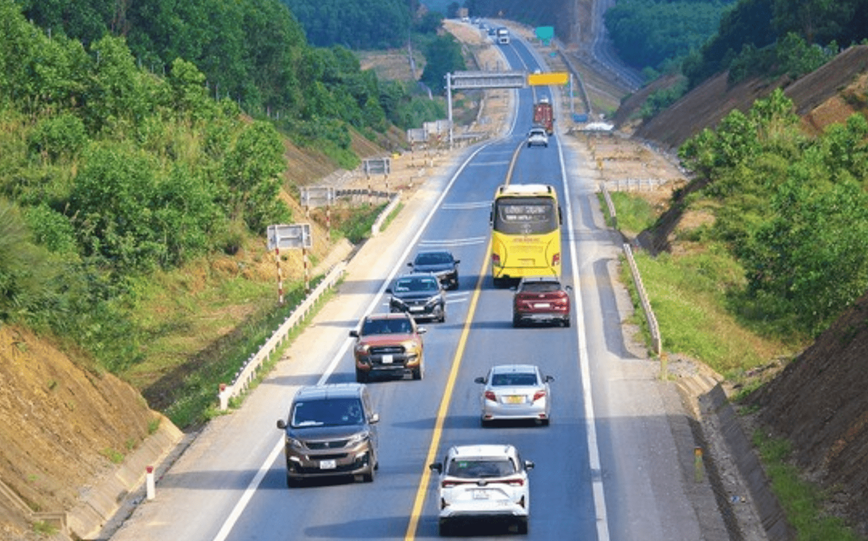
433, 300
362, 349
357, 439
398, 302
294, 443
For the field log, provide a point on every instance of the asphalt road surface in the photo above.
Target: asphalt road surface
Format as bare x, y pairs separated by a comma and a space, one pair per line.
615, 463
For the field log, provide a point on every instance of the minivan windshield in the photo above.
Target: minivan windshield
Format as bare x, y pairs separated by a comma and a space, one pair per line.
330, 412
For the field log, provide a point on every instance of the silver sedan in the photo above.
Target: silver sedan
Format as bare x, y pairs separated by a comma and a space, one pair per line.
516, 391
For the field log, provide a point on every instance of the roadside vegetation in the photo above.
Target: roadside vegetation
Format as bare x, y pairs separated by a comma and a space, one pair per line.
783, 255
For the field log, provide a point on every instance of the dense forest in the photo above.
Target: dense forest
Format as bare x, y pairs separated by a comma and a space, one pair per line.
136, 138
355, 24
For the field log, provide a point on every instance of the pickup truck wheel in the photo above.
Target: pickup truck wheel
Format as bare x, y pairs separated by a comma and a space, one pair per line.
419, 373
361, 376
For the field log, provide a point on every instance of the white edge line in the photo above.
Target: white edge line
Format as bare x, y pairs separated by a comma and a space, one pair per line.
598, 490
233, 517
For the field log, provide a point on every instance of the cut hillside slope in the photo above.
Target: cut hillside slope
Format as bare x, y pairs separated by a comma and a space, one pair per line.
819, 98
63, 428
820, 404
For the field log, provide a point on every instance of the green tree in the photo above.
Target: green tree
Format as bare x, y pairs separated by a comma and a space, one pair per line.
443, 55
252, 170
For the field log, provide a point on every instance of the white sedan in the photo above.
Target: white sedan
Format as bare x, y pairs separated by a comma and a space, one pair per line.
537, 137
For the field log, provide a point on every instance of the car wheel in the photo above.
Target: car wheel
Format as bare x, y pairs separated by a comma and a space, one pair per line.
368, 477
361, 376
485, 423
545, 422
528, 145
445, 529
522, 526
419, 373
516, 321
566, 322
442, 318
499, 282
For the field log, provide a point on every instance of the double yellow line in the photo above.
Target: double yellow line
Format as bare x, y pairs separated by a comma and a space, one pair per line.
437, 433
443, 410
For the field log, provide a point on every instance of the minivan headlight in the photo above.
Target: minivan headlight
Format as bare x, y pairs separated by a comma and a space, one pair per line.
294, 443
356, 439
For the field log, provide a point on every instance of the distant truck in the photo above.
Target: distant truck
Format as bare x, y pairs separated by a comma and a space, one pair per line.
503, 35
543, 115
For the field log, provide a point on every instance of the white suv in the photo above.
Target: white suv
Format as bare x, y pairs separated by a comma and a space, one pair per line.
483, 482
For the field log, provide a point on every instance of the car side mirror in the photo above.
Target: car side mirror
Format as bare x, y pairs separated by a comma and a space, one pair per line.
421, 330
479, 380
568, 287
438, 467
375, 418
528, 464
457, 261
354, 333
409, 263
549, 378
389, 290
281, 424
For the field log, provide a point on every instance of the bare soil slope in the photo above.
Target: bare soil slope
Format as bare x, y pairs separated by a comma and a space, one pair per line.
820, 404
62, 427
819, 97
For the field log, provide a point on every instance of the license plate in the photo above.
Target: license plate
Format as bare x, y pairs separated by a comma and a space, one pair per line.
416, 308
480, 494
388, 359
327, 464
542, 305
514, 399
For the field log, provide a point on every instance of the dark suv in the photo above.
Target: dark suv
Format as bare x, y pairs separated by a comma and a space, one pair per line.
440, 263
420, 295
331, 430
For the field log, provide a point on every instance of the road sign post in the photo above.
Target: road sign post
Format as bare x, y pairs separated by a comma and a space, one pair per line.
289, 236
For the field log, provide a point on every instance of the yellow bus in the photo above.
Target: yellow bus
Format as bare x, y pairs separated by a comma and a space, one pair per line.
525, 232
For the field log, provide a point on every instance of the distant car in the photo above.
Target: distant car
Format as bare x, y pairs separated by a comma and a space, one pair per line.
484, 483
537, 137
541, 299
388, 344
516, 391
330, 431
441, 263
418, 294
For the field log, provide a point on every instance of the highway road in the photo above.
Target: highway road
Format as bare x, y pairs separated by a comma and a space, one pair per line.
615, 463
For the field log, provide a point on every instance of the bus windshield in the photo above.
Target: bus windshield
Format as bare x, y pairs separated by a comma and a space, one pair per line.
525, 215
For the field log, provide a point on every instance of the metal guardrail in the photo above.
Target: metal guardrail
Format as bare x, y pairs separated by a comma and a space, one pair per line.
653, 327
247, 373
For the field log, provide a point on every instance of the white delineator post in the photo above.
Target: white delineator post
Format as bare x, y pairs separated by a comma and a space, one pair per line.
150, 483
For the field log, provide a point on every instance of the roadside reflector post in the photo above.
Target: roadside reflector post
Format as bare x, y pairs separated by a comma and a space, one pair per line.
149, 482
698, 472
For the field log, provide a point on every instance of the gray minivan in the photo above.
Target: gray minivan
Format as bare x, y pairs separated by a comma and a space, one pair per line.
331, 430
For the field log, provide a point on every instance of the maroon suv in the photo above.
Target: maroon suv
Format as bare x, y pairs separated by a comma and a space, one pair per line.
541, 299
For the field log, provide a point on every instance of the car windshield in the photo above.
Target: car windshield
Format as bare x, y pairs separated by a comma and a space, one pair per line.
540, 287
482, 467
332, 412
387, 326
405, 285
513, 379
433, 259
537, 132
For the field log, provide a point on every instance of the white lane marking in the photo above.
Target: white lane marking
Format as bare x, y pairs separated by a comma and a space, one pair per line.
251, 489
453, 242
467, 206
590, 419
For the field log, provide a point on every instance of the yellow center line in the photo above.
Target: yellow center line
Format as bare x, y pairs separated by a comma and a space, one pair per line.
437, 433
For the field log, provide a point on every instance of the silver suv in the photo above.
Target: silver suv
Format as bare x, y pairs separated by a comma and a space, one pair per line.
483, 482
330, 430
